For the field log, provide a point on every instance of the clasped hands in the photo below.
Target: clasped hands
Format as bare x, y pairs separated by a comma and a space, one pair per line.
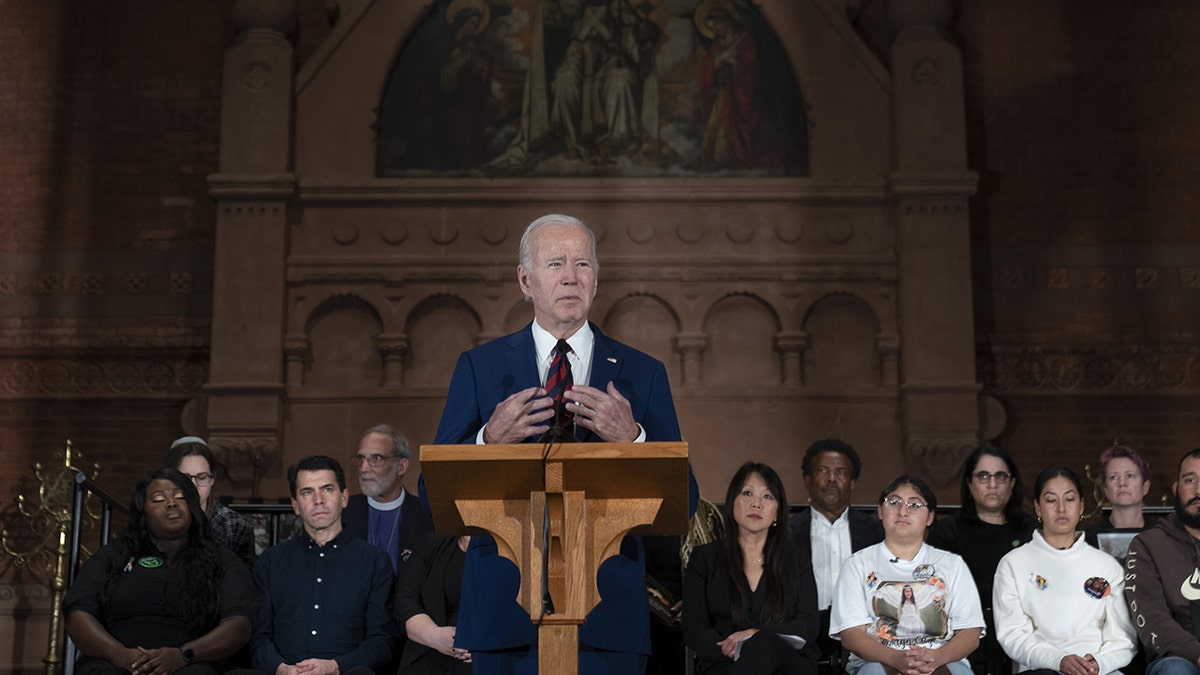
1072, 664
160, 661
528, 413
309, 667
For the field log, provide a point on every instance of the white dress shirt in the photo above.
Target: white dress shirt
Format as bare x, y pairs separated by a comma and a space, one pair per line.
582, 344
830, 548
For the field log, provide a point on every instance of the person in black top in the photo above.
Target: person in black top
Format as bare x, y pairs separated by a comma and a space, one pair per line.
749, 602
991, 522
165, 596
1126, 477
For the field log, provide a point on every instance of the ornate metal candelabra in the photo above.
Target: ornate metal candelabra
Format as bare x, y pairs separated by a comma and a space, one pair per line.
41, 544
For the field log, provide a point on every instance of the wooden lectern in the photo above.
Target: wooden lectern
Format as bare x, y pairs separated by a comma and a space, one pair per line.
595, 493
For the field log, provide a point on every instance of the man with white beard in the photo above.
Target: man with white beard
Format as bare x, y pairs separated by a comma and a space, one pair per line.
384, 514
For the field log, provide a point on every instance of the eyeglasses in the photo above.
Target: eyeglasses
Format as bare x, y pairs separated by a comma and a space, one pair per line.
201, 478
374, 461
985, 477
898, 504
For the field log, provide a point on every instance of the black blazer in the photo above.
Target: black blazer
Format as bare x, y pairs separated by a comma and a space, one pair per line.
707, 617
415, 523
865, 530
428, 584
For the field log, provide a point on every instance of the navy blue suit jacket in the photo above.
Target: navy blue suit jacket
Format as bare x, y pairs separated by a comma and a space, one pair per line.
489, 616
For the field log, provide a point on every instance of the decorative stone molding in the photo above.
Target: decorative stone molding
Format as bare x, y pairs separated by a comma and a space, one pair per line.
99, 377
1088, 369
244, 455
939, 457
99, 283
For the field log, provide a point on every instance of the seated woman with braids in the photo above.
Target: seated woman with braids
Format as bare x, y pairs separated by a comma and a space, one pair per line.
164, 597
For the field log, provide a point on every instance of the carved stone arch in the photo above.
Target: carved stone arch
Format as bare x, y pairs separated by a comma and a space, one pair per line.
842, 332
437, 330
740, 329
883, 212
647, 322
343, 333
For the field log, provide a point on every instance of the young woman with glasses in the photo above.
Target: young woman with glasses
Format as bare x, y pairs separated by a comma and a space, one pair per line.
991, 522
903, 605
191, 457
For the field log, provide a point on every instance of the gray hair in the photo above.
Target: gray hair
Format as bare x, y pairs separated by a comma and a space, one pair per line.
553, 219
399, 442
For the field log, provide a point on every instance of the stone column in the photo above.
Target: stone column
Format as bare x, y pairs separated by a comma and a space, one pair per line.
791, 347
691, 345
394, 349
296, 352
930, 186
252, 190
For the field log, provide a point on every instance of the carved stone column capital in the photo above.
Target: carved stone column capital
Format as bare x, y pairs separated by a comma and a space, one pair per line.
939, 457
791, 346
296, 353
244, 454
691, 345
394, 349
888, 346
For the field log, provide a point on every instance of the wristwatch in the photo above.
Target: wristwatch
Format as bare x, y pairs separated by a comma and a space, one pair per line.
188, 654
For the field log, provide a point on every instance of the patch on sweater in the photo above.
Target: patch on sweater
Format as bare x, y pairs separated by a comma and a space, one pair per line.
1039, 581
1097, 587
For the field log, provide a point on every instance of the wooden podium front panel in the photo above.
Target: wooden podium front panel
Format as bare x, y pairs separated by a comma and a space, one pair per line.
600, 470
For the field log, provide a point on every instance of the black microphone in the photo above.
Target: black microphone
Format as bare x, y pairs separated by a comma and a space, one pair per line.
895, 560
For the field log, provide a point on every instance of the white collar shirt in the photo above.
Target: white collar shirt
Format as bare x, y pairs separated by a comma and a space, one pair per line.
830, 547
580, 355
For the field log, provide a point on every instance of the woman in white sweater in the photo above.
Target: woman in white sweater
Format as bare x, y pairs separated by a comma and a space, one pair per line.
1059, 603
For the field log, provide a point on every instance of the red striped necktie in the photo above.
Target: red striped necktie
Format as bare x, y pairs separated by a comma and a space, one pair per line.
559, 380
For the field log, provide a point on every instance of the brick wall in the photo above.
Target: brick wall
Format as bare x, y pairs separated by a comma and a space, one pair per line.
109, 125
1087, 258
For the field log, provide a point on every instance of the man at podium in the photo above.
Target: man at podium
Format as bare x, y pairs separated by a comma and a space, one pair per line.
559, 378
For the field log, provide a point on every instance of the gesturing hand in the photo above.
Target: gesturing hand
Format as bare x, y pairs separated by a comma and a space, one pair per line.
519, 416
607, 413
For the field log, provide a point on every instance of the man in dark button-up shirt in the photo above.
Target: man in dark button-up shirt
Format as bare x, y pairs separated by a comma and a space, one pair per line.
324, 595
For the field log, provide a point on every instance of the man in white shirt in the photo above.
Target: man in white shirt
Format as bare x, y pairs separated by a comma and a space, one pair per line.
829, 530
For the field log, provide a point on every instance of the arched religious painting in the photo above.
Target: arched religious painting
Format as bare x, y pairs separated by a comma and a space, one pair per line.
592, 88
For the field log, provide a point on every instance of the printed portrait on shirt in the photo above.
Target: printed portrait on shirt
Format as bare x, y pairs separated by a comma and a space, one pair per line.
909, 612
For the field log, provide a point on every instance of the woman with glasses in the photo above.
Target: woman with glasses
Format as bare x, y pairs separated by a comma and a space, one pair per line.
903, 605
191, 457
991, 522
749, 602
164, 597
1126, 477
1060, 605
